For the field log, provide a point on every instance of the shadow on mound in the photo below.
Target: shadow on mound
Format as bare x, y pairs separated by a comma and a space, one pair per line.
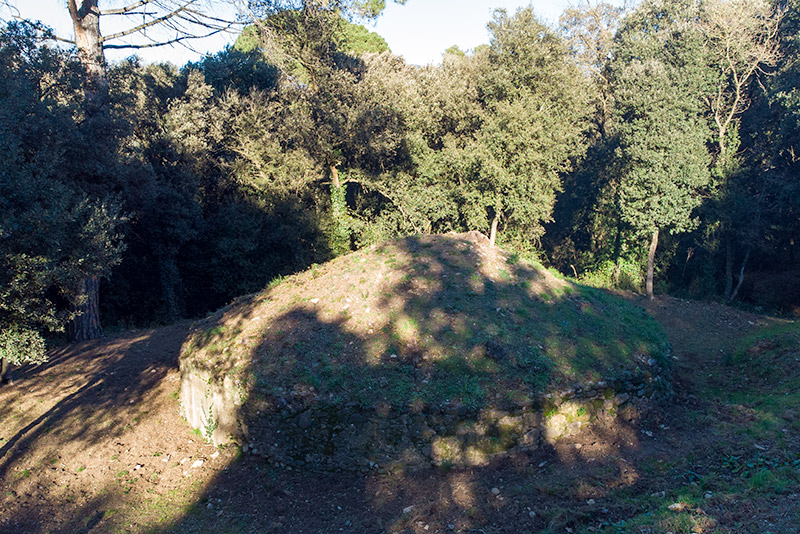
429, 350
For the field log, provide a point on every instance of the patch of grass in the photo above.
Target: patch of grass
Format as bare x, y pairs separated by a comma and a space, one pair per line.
458, 324
275, 282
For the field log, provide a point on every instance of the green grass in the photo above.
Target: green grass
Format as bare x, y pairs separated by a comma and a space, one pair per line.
761, 379
25, 473
764, 380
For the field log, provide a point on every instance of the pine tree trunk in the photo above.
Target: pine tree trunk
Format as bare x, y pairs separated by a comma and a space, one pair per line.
617, 251
4, 365
651, 260
493, 231
86, 325
88, 41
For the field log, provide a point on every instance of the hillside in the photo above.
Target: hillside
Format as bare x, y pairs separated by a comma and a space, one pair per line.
431, 320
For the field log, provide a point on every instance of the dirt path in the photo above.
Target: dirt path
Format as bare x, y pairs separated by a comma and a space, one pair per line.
95, 434
93, 442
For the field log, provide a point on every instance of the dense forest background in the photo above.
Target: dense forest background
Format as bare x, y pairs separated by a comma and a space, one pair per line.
649, 149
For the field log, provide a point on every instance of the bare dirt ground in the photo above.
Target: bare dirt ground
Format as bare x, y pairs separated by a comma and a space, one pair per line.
93, 442
94, 439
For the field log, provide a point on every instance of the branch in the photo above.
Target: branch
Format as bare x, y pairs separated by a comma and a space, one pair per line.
12, 9
161, 43
126, 9
62, 40
147, 24
202, 16
73, 10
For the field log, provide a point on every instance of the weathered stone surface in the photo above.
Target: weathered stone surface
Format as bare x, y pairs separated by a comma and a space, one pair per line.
305, 432
530, 439
554, 427
209, 406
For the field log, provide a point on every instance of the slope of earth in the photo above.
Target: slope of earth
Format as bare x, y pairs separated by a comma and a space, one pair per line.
720, 459
93, 439
424, 321
723, 458
728, 457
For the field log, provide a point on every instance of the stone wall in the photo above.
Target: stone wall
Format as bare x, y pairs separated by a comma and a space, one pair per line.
300, 431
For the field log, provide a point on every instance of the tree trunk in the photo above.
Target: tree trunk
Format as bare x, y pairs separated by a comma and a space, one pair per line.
493, 231
86, 325
337, 183
651, 260
689, 254
86, 25
4, 365
171, 287
617, 250
728, 268
340, 242
741, 275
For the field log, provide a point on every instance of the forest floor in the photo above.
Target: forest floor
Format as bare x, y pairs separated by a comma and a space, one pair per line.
93, 441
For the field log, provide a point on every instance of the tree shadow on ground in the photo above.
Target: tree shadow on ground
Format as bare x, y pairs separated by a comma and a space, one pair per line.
579, 482
85, 397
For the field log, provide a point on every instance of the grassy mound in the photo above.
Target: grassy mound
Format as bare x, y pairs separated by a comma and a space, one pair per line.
429, 320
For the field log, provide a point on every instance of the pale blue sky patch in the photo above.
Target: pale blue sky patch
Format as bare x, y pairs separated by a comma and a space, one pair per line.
420, 30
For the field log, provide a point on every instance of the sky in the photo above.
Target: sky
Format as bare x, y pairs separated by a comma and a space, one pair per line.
419, 30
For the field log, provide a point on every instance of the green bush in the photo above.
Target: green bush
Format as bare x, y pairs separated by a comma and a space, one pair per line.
629, 276
21, 345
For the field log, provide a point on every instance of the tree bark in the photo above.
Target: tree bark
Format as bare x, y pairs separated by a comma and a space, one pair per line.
88, 40
617, 250
741, 276
4, 365
493, 231
340, 242
651, 260
728, 268
86, 324
171, 287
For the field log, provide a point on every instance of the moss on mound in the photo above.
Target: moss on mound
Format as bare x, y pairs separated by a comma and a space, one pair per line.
425, 320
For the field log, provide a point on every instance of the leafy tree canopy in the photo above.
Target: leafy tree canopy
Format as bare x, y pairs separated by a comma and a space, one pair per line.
52, 233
